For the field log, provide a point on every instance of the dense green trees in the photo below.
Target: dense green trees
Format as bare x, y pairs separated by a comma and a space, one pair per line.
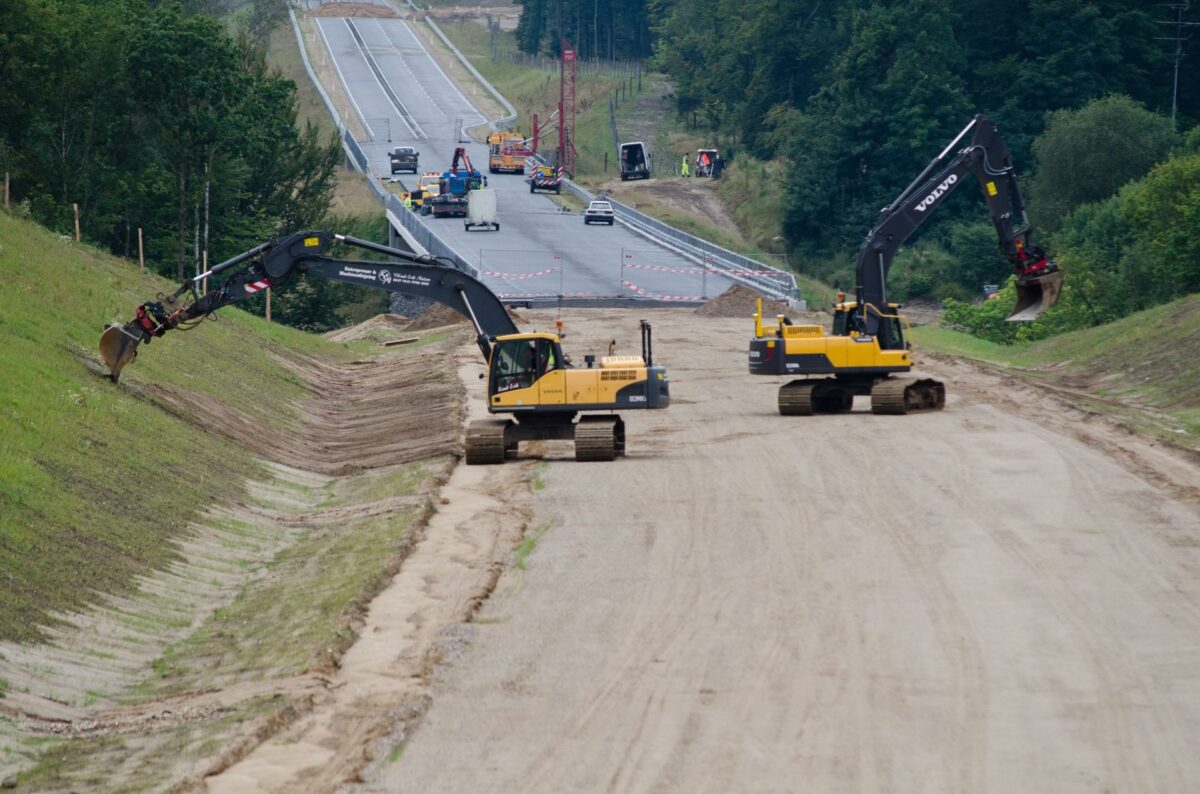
1086, 155
148, 116
596, 28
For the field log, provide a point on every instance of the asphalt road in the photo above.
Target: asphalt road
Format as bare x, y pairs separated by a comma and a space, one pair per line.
400, 93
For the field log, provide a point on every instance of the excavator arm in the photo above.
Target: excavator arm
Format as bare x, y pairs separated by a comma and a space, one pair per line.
987, 156
277, 262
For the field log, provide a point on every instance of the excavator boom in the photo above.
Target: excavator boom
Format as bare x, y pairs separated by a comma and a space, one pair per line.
275, 263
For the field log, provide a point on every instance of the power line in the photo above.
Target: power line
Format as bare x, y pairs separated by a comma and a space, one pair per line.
1180, 9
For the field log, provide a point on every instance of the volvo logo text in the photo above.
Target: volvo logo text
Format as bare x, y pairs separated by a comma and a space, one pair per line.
937, 193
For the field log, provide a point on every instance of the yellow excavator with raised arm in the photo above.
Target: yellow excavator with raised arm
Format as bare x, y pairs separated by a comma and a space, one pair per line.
868, 351
530, 381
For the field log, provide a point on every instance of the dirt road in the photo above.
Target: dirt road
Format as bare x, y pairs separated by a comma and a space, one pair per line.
963, 601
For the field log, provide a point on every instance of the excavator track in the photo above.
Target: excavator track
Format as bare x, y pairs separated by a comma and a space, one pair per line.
488, 442
599, 438
808, 397
795, 398
907, 395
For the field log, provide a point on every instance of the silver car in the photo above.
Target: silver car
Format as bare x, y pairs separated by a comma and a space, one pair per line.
599, 211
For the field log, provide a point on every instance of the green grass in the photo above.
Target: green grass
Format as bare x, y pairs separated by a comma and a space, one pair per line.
527, 545
539, 469
297, 616
1151, 358
96, 481
141, 761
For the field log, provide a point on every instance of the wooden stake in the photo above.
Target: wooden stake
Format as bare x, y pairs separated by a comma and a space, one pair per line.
75, 207
268, 304
141, 251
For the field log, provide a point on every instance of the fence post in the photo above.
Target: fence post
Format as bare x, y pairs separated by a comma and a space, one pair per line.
268, 304
141, 251
75, 207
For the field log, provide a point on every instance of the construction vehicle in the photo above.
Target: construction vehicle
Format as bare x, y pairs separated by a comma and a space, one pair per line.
481, 211
428, 187
530, 382
455, 183
709, 163
545, 178
634, 162
868, 347
507, 153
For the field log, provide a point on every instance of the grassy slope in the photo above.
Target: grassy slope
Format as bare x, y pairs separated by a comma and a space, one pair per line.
1151, 358
95, 482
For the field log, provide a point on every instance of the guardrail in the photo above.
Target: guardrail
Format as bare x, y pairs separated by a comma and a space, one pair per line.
759, 276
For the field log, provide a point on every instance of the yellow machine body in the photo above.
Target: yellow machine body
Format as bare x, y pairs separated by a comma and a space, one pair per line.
614, 382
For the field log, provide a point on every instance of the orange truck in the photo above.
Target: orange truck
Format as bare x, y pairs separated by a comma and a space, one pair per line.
507, 153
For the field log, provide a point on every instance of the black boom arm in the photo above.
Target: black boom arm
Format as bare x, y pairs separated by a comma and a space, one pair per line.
987, 156
275, 263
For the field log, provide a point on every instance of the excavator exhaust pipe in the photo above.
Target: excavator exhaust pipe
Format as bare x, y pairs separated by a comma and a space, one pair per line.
1036, 294
118, 346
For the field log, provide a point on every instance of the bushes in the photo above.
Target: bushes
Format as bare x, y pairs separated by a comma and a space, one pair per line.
1134, 250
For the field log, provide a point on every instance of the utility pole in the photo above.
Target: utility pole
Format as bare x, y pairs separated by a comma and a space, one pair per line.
1180, 9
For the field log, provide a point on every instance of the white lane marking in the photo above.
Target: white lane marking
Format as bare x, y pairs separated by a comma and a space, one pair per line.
482, 118
388, 93
406, 65
345, 84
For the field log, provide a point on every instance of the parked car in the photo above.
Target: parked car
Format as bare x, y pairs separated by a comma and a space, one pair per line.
404, 158
599, 211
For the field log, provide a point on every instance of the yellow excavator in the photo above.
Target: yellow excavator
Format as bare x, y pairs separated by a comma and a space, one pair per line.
867, 351
530, 381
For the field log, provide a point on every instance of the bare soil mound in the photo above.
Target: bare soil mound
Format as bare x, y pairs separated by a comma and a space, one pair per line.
923, 311
739, 301
438, 315
381, 325
435, 316
352, 10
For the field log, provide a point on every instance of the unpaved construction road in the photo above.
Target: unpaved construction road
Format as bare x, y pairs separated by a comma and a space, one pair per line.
999, 597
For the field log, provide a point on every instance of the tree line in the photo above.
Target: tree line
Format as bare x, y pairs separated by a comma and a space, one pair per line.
151, 116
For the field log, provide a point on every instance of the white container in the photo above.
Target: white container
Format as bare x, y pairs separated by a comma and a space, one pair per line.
481, 210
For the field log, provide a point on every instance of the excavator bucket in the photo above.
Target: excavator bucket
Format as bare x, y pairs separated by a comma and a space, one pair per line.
1036, 294
118, 346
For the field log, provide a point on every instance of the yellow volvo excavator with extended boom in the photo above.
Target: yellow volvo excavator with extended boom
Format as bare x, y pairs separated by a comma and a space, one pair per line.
867, 350
529, 378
